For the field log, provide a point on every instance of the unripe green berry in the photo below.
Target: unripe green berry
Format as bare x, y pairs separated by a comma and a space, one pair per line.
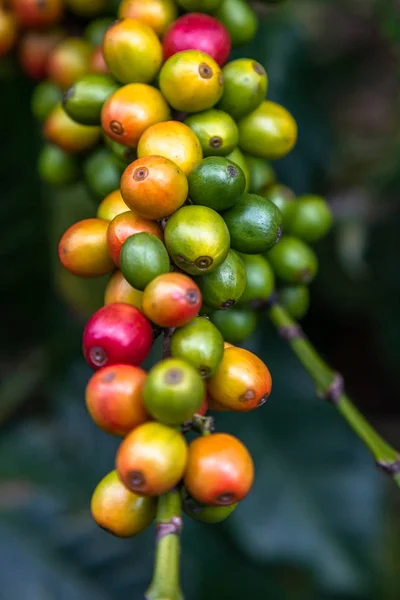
293, 261
312, 218
235, 324
143, 258
296, 300
259, 276
200, 344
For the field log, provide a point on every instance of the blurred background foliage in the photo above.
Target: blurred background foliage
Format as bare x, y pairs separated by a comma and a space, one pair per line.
321, 522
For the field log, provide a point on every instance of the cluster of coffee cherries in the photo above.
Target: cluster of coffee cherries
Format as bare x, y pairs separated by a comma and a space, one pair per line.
193, 230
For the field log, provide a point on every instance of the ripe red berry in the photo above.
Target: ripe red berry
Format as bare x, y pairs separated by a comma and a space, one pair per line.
171, 300
197, 31
117, 333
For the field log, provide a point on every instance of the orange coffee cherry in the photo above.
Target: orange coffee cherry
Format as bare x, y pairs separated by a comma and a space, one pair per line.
154, 187
242, 381
123, 226
119, 290
132, 51
8, 31
111, 206
69, 61
171, 300
131, 110
83, 249
97, 64
34, 14
114, 398
220, 470
173, 140
152, 459
68, 135
158, 14
35, 49
120, 511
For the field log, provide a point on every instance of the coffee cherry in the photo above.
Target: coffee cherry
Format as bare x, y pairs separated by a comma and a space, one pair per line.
111, 206
255, 224
96, 29
296, 300
83, 249
262, 175
154, 187
123, 226
143, 258
204, 6
223, 287
132, 51
216, 182
45, 97
239, 19
235, 324
124, 154
56, 167
171, 300
173, 140
216, 131
102, 172
260, 279
220, 470
114, 398
119, 290
87, 8
284, 199
245, 86
131, 110
197, 239
268, 132
242, 381
8, 31
152, 459
69, 61
197, 31
97, 64
158, 14
62, 131
84, 100
117, 334
173, 391
191, 81
35, 49
237, 157
204, 513
293, 261
34, 14
120, 511
200, 344
312, 218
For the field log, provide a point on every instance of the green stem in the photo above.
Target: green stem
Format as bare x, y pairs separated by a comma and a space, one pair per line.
165, 583
329, 385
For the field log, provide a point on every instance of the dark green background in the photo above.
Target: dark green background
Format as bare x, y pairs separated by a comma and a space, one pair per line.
321, 523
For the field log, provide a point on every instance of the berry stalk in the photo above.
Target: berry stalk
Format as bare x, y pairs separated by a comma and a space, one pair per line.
329, 385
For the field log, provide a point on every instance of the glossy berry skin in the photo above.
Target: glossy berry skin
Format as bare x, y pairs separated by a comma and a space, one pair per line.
171, 300
35, 49
242, 381
260, 279
245, 87
56, 167
235, 324
33, 14
312, 218
62, 131
197, 239
172, 140
158, 14
293, 261
143, 258
200, 344
216, 182
132, 51
262, 175
114, 398
111, 206
45, 97
197, 31
95, 30
284, 199
8, 31
83, 249
224, 286
239, 19
191, 81
131, 110
102, 171
69, 61
295, 299
216, 130
204, 513
117, 334
154, 187
237, 157
220, 470
84, 100
119, 290
152, 459
173, 391
120, 511
123, 226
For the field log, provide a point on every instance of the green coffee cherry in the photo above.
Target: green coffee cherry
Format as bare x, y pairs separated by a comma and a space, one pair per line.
84, 100
216, 182
124, 154
296, 300
255, 224
260, 278
94, 32
223, 287
102, 172
235, 324
239, 19
216, 131
237, 157
312, 218
284, 199
245, 86
45, 97
56, 167
293, 261
143, 258
204, 513
262, 175
200, 344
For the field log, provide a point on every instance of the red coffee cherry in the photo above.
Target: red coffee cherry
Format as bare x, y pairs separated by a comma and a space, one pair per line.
171, 300
220, 470
32, 13
35, 49
117, 334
